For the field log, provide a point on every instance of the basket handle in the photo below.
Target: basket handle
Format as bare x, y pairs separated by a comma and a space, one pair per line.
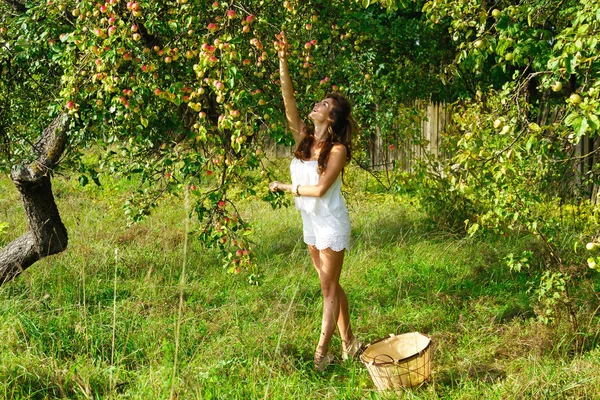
374, 361
398, 328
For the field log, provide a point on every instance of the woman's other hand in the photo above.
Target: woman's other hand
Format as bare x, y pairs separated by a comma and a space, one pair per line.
274, 186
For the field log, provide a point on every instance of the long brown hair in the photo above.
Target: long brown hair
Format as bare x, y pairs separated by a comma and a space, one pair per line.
340, 131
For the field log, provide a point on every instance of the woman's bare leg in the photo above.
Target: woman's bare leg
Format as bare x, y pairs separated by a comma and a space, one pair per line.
328, 264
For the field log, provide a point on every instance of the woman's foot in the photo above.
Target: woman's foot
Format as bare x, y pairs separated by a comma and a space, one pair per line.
323, 360
352, 350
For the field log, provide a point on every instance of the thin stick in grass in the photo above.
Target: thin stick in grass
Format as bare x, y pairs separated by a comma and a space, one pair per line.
114, 322
181, 285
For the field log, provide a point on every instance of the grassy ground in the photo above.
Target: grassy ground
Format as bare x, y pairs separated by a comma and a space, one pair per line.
100, 320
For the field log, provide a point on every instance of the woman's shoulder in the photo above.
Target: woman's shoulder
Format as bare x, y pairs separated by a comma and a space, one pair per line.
339, 149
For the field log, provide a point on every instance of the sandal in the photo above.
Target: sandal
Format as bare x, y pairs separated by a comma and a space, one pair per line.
322, 361
352, 350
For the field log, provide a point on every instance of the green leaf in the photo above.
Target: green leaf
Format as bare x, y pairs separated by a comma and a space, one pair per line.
83, 180
144, 121
583, 127
366, 3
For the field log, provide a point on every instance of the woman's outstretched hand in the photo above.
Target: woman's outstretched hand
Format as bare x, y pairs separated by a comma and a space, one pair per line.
281, 45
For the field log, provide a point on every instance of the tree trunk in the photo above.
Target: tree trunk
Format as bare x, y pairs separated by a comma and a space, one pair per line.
47, 235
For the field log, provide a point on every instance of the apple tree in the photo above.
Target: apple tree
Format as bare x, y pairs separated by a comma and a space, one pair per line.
183, 93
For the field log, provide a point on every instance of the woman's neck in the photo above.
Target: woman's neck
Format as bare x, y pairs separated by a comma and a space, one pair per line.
320, 133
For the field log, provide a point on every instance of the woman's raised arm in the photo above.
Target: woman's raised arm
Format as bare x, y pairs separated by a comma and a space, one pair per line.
295, 123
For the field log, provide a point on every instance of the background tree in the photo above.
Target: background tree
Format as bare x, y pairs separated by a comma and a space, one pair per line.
530, 72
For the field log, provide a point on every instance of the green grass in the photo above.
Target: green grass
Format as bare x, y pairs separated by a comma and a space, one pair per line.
238, 341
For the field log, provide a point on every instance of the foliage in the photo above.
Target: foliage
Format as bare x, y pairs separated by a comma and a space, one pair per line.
178, 93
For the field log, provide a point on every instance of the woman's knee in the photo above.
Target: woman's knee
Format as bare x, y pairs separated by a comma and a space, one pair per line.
329, 288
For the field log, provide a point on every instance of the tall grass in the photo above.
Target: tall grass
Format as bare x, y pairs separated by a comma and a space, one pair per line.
163, 320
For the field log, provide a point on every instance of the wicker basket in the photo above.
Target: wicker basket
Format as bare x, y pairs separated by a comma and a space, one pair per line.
398, 361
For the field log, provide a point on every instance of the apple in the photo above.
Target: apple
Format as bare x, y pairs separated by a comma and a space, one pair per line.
112, 30
590, 246
168, 59
391, 147
246, 29
497, 124
266, 117
135, 7
575, 99
591, 262
136, 37
557, 86
70, 105
231, 14
478, 44
496, 13
509, 56
215, 4
308, 27
250, 18
134, 28
127, 56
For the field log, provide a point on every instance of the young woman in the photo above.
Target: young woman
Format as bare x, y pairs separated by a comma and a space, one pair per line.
322, 152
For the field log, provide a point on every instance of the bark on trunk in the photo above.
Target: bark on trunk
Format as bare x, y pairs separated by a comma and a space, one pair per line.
47, 235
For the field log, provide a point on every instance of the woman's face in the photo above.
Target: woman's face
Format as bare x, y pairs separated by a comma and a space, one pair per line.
321, 110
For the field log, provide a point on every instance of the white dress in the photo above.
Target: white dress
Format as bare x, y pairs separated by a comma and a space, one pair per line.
325, 219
